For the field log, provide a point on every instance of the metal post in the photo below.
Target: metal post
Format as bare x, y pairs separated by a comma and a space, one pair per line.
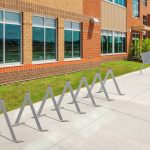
50, 92
68, 86
142, 68
98, 76
3, 109
84, 81
27, 99
110, 73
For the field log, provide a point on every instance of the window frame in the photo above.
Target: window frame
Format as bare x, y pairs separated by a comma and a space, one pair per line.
4, 64
135, 11
113, 2
72, 30
113, 42
144, 3
46, 27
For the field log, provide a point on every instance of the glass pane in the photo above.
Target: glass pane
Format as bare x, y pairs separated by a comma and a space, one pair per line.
50, 22
120, 44
104, 43
116, 45
12, 43
1, 16
38, 21
68, 25
38, 43
1, 43
76, 26
109, 44
12, 17
50, 44
124, 44
76, 44
68, 44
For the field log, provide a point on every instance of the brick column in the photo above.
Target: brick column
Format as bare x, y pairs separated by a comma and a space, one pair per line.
60, 39
27, 38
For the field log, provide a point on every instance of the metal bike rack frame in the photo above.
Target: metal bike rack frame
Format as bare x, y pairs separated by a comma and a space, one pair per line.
27, 99
49, 92
68, 86
3, 110
84, 82
110, 73
99, 78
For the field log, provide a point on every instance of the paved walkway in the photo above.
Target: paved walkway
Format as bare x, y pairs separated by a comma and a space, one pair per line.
120, 124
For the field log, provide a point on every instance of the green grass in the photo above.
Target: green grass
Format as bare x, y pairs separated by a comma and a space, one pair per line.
13, 93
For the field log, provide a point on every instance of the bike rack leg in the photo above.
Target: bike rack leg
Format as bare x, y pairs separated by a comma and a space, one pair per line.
3, 109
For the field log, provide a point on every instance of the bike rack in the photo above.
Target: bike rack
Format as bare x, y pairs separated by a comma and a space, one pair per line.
3, 110
110, 73
49, 92
27, 99
66, 87
84, 82
99, 78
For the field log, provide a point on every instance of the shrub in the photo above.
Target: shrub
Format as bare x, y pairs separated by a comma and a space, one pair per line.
138, 47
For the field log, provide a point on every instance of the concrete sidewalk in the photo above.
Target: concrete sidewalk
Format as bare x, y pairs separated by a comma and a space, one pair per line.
120, 124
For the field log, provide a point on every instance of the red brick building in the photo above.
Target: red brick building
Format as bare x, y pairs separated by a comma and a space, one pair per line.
40, 38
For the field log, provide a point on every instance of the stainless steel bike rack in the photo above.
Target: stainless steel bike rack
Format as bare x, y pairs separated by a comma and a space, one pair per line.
66, 87
110, 73
84, 82
99, 78
27, 99
49, 93
3, 110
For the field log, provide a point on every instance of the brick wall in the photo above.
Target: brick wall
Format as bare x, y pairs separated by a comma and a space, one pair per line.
90, 39
132, 21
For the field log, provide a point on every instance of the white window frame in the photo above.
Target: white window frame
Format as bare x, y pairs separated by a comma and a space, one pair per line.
113, 2
67, 29
113, 41
4, 64
135, 11
45, 27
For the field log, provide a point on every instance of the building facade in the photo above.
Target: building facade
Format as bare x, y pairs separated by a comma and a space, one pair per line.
40, 38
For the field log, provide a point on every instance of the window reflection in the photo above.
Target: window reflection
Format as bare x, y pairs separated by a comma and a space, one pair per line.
11, 28
72, 40
50, 44
38, 43
1, 43
44, 38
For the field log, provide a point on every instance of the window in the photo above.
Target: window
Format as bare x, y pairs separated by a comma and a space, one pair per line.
136, 8
145, 2
106, 42
72, 40
10, 37
113, 42
145, 20
119, 42
119, 2
44, 38
135, 38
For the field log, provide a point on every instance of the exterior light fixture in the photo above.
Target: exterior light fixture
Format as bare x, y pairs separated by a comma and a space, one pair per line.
95, 20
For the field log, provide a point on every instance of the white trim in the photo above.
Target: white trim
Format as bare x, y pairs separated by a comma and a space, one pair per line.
44, 61
10, 65
112, 54
72, 59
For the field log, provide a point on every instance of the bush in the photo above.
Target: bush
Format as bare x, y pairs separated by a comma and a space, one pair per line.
137, 48
145, 45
